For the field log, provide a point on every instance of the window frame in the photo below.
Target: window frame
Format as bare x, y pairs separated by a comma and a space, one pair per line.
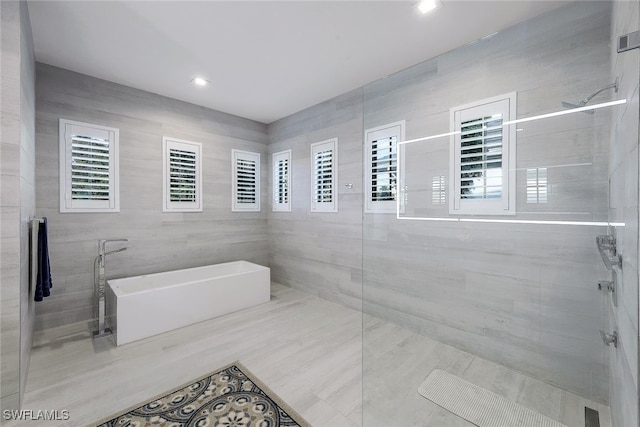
373, 134
67, 128
317, 147
278, 206
251, 156
506, 204
178, 206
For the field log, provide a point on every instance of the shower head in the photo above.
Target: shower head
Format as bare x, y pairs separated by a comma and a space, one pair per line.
585, 101
569, 106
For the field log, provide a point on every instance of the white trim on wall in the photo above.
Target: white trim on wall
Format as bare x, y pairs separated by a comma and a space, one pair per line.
182, 175
391, 134
89, 167
486, 113
245, 180
281, 173
324, 176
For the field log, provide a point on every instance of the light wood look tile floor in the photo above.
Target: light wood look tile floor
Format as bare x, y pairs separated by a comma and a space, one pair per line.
309, 351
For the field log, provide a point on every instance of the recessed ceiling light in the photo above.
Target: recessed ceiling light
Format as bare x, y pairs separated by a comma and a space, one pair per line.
199, 81
426, 6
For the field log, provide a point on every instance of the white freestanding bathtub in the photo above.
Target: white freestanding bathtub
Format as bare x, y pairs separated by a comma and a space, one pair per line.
142, 306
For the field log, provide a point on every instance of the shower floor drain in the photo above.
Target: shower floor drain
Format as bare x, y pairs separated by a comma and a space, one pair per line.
479, 405
591, 417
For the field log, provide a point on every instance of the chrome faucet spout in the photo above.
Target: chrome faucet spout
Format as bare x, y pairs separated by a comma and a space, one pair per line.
115, 251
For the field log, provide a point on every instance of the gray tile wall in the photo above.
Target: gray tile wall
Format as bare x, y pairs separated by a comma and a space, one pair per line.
27, 189
623, 176
320, 253
157, 241
17, 199
10, 200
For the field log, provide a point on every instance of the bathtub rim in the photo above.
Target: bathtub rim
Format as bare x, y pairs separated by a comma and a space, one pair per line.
121, 293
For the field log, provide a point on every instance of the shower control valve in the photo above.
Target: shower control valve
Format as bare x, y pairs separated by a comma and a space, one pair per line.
606, 286
611, 338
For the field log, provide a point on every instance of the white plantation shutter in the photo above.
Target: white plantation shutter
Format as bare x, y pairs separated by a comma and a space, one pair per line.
384, 169
481, 158
182, 178
324, 176
438, 190
281, 181
482, 152
88, 167
182, 173
537, 190
246, 181
282, 175
381, 167
90, 161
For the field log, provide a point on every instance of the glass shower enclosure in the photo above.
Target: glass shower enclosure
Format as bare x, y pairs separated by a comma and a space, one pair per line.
490, 171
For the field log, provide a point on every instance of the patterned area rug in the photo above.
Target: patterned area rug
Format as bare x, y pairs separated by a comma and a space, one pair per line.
230, 397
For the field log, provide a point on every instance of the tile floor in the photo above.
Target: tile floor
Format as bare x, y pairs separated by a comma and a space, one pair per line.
311, 352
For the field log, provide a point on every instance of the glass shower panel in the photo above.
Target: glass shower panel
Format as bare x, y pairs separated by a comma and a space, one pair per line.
487, 268
513, 291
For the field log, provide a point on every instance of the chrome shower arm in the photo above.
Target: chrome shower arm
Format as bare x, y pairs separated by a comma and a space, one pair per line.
613, 85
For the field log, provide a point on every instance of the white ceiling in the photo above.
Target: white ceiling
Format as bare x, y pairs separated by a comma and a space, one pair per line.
265, 59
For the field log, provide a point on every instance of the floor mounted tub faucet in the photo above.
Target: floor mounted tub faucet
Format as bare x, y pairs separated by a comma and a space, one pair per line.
102, 281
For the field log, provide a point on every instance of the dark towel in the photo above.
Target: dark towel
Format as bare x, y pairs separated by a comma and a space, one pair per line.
43, 282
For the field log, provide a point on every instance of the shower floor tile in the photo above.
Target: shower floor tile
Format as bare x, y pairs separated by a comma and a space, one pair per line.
311, 352
396, 361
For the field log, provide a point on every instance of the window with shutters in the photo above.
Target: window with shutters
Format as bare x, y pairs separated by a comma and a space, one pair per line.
88, 167
537, 185
381, 167
182, 173
281, 181
324, 176
438, 191
483, 157
245, 181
